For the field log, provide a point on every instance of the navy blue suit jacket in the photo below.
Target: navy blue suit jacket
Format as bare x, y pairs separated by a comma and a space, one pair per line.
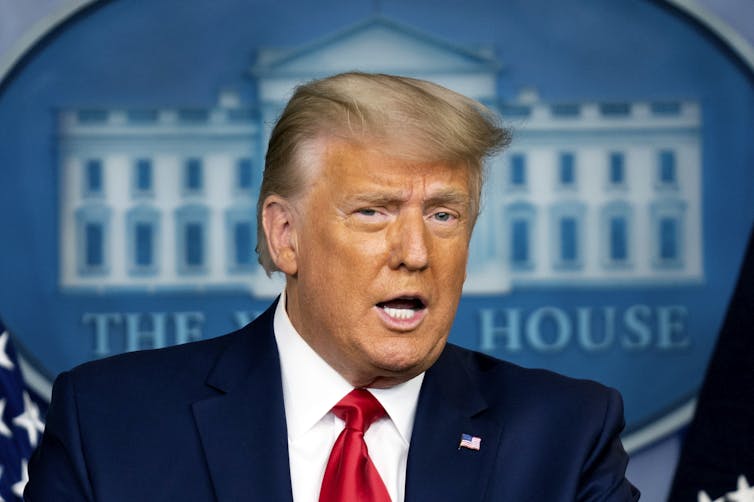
205, 421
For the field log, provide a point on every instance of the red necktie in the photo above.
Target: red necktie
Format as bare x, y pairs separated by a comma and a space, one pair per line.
350, 475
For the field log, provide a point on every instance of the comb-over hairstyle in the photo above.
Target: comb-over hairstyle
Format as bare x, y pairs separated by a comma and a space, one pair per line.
415, 119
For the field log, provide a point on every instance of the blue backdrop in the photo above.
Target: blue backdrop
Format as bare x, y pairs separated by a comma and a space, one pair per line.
178, 54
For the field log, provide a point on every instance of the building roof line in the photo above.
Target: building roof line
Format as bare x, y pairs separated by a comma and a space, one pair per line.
271, 58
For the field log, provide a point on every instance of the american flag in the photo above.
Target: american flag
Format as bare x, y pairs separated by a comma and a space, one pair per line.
20, 423
470, 442
718, 447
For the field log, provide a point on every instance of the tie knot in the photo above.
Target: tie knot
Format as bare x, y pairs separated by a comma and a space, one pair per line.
359, 409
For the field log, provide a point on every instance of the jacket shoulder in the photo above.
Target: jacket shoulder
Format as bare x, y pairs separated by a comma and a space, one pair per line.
568, 427
170, 370
505, 383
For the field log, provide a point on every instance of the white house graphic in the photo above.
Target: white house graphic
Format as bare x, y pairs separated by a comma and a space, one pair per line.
590, 193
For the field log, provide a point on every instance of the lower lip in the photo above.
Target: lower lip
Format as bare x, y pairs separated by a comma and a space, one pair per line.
402, 324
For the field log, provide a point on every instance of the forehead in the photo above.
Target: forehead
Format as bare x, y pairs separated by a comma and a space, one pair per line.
347, 165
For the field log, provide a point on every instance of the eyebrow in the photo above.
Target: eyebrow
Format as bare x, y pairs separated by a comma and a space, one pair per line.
449, 197
443, 197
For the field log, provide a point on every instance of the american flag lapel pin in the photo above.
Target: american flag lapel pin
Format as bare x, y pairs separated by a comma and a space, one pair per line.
470, 442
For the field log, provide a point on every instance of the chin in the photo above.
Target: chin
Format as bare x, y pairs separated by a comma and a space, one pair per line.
402, 364
401, 368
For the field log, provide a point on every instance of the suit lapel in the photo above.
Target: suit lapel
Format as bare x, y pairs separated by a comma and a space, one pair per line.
242, 428
450, 404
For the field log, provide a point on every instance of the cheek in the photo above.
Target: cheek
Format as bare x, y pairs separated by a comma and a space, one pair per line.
453, 258
335, 268
336, 236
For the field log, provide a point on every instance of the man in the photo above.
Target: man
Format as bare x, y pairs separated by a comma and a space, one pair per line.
370, 193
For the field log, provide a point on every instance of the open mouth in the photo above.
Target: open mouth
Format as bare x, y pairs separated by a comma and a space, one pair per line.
402, 308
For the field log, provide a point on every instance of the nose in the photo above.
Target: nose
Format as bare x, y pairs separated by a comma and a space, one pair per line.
409, 243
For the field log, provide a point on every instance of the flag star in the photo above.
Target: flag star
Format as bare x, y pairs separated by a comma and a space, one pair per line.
703, 497
4, 430
18, 488
745, 493
5, 361
30, 420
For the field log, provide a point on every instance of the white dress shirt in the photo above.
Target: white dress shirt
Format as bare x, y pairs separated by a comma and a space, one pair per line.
310, 389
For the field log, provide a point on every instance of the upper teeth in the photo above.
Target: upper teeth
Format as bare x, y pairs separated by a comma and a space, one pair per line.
398, 313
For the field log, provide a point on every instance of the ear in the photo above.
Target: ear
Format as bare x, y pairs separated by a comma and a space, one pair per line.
279, 228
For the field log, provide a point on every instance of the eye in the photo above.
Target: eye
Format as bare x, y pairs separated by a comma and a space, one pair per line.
443, 216
370, 214
369, 218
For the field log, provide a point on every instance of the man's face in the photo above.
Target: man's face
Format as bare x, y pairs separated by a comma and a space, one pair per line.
380, 257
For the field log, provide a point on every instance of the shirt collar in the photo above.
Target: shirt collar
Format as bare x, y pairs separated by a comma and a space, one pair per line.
400, 403
311, 387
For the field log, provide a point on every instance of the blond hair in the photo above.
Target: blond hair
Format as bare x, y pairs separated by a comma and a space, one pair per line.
416, 119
